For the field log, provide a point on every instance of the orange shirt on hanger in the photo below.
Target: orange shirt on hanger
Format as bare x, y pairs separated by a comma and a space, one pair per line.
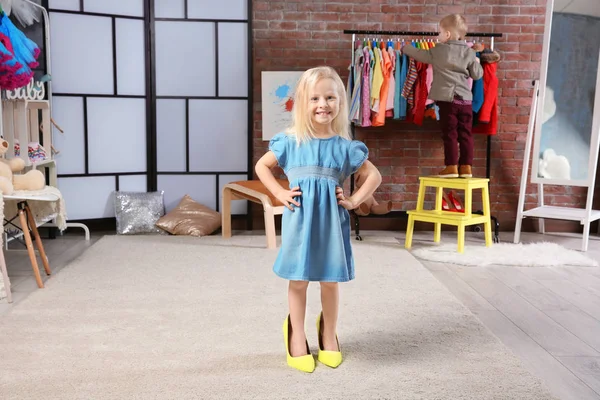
379, 119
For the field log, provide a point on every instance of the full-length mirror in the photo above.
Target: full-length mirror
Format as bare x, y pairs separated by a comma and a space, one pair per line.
564, 149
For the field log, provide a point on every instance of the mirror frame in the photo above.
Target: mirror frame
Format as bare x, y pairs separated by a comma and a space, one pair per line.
595, 133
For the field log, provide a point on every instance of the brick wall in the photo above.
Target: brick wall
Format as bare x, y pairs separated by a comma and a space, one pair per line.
296, 35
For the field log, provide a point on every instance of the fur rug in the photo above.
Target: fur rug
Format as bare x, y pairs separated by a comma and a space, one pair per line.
543, 254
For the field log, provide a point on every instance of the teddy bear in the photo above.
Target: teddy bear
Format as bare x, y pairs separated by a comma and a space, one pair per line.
370, 206
9, 181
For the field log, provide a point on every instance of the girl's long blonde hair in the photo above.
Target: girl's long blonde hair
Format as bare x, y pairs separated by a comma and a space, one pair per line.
302, 126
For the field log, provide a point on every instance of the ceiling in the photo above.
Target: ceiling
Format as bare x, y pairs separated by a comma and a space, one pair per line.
582, 7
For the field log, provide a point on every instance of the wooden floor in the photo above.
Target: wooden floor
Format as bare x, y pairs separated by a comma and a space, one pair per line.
549, 317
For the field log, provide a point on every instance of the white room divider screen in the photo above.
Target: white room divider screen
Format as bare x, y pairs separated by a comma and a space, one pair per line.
152, 95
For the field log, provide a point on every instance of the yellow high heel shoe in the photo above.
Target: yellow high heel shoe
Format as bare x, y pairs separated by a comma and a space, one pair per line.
330, 358
305, 363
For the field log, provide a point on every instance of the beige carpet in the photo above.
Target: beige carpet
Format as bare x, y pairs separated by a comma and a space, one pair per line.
185, 318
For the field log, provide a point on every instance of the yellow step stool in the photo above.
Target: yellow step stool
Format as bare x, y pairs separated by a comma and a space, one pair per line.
458, 219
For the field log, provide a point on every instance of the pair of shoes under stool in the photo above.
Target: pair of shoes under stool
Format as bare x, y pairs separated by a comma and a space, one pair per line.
453, 171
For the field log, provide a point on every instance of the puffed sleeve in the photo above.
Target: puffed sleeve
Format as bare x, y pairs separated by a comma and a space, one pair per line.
358, 154
278, 145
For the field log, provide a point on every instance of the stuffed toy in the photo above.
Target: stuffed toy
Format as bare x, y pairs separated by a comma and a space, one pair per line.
370, 206
9, 182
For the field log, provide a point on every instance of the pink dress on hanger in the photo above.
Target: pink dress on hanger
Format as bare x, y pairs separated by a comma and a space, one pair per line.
366, 88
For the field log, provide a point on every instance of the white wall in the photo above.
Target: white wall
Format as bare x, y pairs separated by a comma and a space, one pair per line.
100, 99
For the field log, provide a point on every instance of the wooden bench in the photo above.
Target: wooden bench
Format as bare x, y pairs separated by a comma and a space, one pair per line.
255, 192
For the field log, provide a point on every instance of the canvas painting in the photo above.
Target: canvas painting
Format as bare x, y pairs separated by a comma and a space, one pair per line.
278, 88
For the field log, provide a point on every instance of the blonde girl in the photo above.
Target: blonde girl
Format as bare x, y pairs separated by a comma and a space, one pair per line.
317, 156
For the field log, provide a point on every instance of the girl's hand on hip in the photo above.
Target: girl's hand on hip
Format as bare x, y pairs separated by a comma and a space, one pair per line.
344, 201
287, 197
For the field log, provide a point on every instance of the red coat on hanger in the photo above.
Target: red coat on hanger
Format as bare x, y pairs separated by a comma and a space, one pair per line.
421, 93
488, 115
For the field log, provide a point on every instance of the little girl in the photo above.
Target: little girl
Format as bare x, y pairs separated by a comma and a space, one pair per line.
453, 63
317, 155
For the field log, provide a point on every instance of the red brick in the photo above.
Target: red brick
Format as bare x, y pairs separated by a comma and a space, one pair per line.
268, 52
507, 47
520, 38
267, 34
423, 27
374, 17
307, 6
324, 16
507, 101
368, 26
504, 29
516, 128
283, 25
531, 47
454, 9
506, 10
268, 15
356, 17
491, 20
295, 35
367, 8
280, 43
422, 9
311, 44
395, 9
427, 18
474, 9
519, 20
516, 56
522, 2
507, 66
531, 66
274, 6
339, 7
312, 26
260, 5
525, 83
507, 119
334, 27
257, 25
533, 29
533, 10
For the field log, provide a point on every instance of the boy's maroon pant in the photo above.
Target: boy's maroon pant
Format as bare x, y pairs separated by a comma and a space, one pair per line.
456, 121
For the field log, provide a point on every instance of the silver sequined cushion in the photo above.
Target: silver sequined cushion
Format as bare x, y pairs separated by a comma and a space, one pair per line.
137, 212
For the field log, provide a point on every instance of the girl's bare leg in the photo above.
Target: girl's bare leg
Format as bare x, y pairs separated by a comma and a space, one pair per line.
330, 305
297, 304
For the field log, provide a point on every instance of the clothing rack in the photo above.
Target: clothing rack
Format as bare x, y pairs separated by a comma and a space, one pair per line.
403, 214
